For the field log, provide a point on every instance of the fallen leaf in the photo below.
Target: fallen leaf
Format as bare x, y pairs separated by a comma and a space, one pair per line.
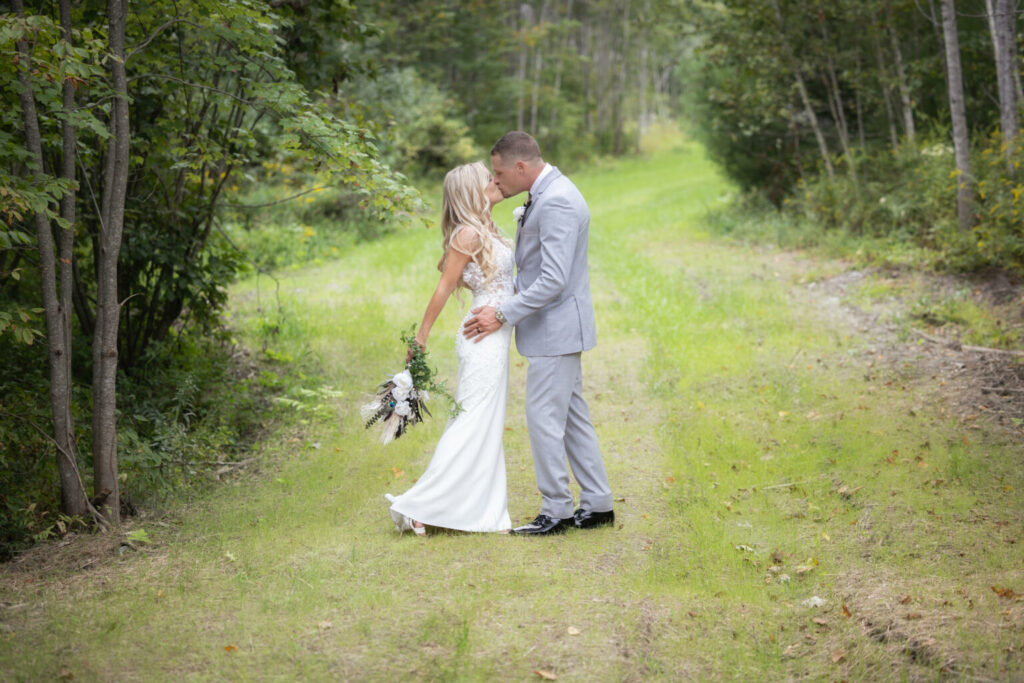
397, 472
838, 656
846, 611
546, 675
324, 625
572, 631
791, 650
1008, 593
820, 621
230, 648
778, 557
912, 615
905, 600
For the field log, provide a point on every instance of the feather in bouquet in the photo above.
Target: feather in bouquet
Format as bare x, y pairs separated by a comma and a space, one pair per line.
400, 401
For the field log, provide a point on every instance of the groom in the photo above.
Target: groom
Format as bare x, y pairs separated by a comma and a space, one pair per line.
554, 322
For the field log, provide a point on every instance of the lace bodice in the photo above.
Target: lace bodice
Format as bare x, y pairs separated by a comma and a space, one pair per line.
501, 285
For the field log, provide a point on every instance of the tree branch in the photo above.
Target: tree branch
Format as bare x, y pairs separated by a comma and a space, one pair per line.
156, 32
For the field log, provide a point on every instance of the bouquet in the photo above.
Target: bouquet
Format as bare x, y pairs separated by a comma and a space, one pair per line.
400, 401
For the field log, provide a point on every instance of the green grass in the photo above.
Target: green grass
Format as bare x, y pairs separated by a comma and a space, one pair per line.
747, 436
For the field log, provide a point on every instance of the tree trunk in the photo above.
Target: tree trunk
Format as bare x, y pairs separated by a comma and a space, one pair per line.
587, 54
525, 22
556, 90
901, 78
859, 104
538, 67
1004, 38
66, 435
73, 497
104, 381
801, 87
894, 136
958, 112
618, 109
994, 30
643, 116
936, 22
815, 126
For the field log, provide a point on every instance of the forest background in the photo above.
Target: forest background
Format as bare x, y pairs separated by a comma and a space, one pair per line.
154, 153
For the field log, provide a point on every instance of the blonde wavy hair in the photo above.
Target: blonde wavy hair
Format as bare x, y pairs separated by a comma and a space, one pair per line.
465, 207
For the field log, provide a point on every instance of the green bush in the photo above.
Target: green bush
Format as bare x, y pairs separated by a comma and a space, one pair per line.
420, 128
899, 209
190, 402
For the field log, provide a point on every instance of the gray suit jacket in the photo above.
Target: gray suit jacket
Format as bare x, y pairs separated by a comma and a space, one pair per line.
552, 310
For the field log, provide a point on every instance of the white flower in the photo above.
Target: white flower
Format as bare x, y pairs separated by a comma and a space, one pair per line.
403, 385
517, 213
424, 396
937, 150
814, 601
403, 408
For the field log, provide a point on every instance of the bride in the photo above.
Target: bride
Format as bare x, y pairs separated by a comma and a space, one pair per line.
464, 485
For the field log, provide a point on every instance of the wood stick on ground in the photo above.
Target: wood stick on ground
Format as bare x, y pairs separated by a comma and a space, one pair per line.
953, 344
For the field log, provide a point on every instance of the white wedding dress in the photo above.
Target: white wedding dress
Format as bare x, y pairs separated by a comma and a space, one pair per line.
464, 485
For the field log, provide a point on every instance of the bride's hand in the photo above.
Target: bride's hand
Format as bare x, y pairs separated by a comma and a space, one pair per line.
422, 345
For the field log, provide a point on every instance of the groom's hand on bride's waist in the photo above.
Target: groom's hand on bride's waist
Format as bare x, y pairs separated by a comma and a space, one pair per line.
481, 323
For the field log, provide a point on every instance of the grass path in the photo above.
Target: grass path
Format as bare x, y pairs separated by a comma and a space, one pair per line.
761, 452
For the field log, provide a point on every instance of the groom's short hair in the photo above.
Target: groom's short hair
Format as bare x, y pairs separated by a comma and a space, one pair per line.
516, 146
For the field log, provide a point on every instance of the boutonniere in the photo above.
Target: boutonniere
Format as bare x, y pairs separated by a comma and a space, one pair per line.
517, 213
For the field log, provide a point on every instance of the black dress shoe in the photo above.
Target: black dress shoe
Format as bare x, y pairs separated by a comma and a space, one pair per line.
543, 526
587, 519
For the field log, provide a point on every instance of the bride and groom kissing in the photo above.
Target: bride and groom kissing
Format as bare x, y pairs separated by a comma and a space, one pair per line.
547, 302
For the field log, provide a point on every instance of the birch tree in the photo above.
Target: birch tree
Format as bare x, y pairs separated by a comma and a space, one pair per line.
1003, 22
958, 113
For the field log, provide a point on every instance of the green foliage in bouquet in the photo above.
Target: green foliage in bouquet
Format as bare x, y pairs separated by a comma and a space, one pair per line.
423, 374
400, 402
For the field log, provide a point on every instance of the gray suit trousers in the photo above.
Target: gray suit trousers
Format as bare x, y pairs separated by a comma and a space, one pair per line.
560, 429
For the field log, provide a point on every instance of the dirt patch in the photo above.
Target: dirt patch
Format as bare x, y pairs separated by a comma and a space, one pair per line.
925, 623
977, 384
76, 556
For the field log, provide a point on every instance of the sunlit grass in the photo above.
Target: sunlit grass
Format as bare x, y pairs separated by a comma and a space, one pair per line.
742, 431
